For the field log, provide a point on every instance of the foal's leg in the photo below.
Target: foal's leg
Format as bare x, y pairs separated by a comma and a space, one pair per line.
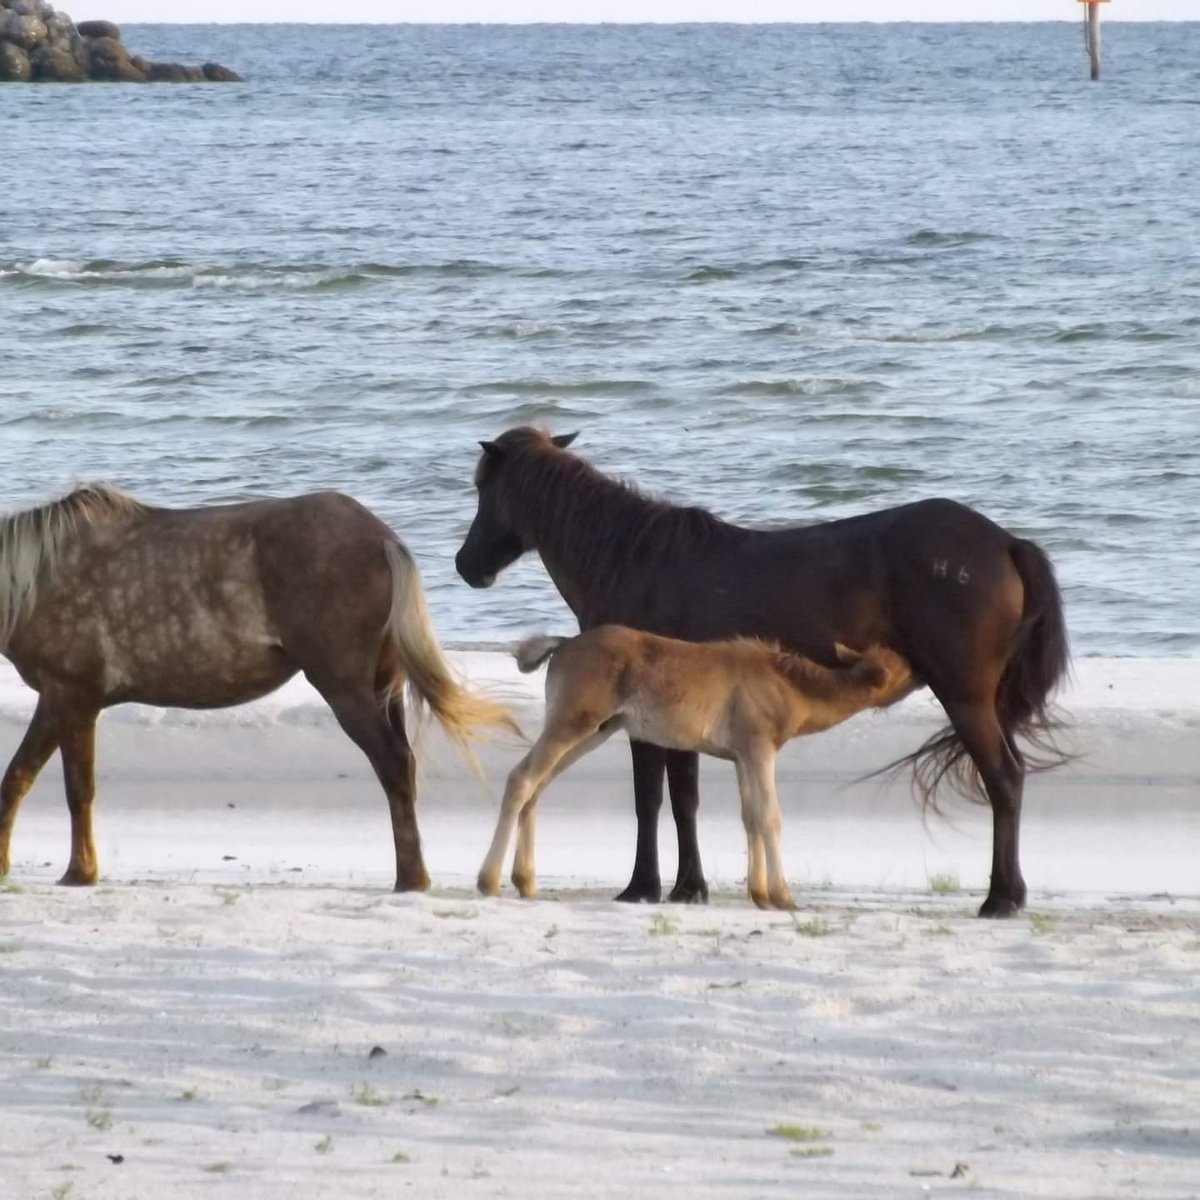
525, 780
380, 734
765, 878
40, 741
683, 779
77, 744
1002, 770
771, 828
752, 804
649, 764
523, 874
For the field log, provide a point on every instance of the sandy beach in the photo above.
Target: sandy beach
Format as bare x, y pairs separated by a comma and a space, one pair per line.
208, 1014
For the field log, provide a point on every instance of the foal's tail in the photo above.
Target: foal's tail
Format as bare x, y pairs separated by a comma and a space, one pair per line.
431, 684
1039, 662
531, 653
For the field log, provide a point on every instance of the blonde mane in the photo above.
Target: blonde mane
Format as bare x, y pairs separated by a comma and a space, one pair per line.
33, 541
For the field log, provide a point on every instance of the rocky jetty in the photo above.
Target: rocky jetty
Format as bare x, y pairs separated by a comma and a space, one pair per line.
38, 44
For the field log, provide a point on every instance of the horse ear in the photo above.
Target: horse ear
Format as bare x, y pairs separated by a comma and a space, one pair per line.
492, 450
845, 654
563, 440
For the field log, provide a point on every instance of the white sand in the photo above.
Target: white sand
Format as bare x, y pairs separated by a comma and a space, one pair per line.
238, 963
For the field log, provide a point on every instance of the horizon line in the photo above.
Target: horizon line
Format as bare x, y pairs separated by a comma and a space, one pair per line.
1109, 20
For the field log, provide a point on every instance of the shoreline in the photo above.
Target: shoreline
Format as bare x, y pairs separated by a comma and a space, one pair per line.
273, 792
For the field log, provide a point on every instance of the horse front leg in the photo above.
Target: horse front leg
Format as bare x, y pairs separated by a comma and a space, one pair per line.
683, 779
77, 744
40, 741
649, 767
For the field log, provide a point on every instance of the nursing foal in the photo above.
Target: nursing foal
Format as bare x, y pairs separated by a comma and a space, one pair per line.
739, 700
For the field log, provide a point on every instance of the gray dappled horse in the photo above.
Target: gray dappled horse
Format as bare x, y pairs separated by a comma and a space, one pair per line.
104, 600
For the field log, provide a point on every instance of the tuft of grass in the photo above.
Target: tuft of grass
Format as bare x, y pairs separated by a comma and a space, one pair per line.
417, 1094
99, 1118
45, 1063
367, 1096
189, 1093
92, 1093
9, 948
324, 1145
63, 1190
10, 885
401, 1157
813, 1152
662, 925
799, 1133
813, 927
1041, 923
505, 1092
218, 1168
945, 883
229, 896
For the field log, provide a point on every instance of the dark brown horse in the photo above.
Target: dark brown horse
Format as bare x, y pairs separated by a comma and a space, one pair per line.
974, 609
104, 600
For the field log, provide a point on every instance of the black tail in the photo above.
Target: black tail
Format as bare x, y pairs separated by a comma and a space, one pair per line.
1039, 661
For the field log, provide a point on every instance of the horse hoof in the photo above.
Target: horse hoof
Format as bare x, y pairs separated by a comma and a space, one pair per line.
784, 902
488, 886
419, 884
689, 893
641, 893
1000, 907
761, 900
75, 878
526, 888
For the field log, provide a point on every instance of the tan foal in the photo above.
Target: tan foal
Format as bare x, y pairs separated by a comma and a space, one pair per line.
740, 700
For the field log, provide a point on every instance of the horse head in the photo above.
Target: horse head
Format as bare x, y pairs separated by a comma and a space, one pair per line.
494, 540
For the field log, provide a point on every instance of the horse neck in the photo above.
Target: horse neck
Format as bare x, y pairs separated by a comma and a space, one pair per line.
828, 694
581, 523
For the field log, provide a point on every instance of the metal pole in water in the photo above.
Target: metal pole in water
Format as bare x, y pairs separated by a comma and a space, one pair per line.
1092, 34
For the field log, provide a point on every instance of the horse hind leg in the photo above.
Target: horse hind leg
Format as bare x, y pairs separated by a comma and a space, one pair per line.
378, 731
38, 744
523, 873
1002, 770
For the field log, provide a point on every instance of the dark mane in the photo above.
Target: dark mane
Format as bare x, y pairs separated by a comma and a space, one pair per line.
610, 525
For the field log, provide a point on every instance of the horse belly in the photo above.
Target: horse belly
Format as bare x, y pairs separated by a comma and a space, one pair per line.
194, 656
674, 728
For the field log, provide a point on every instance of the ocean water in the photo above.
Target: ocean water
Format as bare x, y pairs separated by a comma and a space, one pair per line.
791, 273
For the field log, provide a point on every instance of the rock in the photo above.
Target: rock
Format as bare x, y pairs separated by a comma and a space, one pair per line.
38, 43
27, 32
14, 64
108, 59
99, 29
59, 27
59, 63
216, 73
173, 73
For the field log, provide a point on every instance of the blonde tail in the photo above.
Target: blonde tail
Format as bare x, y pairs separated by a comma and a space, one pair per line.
460, 711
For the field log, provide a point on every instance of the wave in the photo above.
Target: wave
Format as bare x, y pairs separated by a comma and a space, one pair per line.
551, 388
174, 273
813, 386
938, 237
